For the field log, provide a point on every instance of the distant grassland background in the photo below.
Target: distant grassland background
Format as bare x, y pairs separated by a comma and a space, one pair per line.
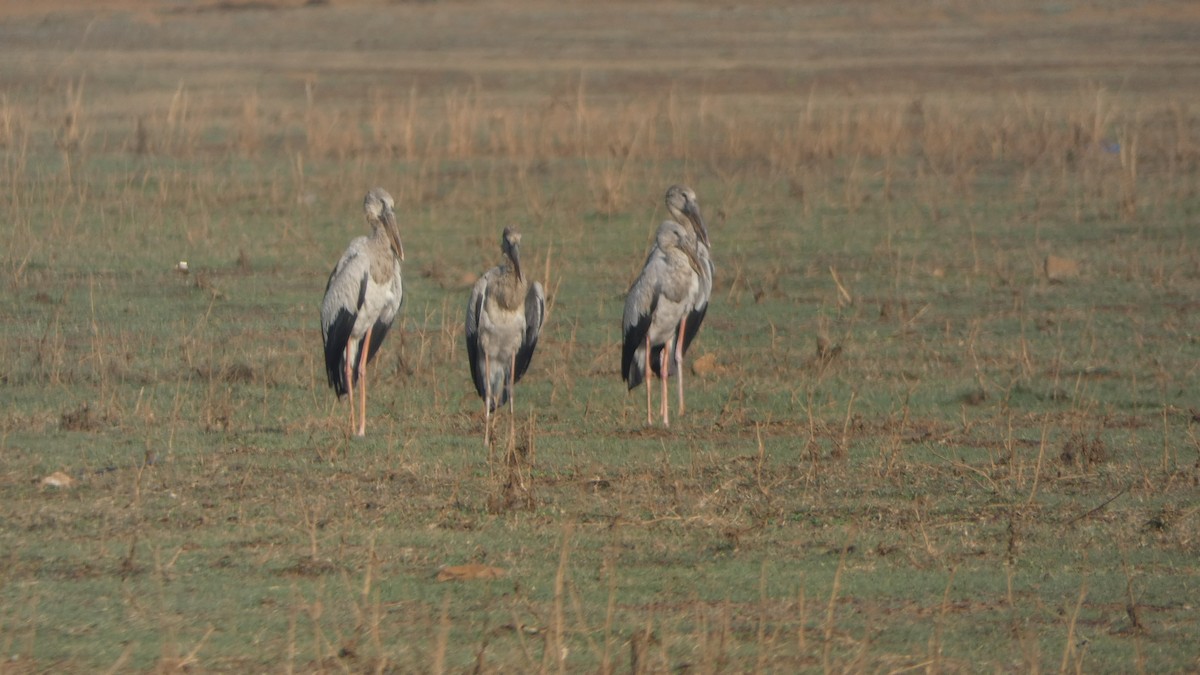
942, 415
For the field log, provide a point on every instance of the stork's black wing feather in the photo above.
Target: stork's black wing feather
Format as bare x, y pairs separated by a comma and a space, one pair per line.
338, 336
378, 332
335, 350
474, 311
692, 326
535, 314
635, 336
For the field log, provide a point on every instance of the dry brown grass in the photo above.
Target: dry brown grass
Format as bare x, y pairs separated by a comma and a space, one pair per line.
901, 409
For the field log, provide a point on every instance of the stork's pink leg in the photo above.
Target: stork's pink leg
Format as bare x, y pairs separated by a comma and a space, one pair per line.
347, 367
512, 404
664, 361
487, 402
679, 359
646, 376
362, 381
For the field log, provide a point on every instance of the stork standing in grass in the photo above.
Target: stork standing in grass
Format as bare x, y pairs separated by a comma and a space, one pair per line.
656, 309
504, 319
685, 210
362, 298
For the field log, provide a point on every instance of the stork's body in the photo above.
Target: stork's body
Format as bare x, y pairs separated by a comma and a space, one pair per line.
504, 320
656, 309
362, 298
685, 210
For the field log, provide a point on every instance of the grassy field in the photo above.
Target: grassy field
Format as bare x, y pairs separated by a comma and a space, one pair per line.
943, 414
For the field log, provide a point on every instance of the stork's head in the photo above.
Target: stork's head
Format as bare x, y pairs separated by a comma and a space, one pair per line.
510, 245
381, 212
682, 205
673, 235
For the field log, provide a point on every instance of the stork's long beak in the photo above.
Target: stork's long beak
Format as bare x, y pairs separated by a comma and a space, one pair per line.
393, 232
692, 259
514, 252
692, 211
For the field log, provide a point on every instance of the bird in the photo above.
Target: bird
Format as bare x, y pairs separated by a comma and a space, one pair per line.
656, 306
685, 210
362, 298
504, 320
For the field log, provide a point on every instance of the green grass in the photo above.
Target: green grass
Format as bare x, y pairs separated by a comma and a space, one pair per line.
980, 470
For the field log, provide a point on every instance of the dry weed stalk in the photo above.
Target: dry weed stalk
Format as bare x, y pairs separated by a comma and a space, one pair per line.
1128, 142
831, 607
1037, 469
249, 135
935, 640
555, 655
609, 571
72, 135
802, 619
179, 140
8, 123
463, 118
442, 642
762, 643
1074, 650
842, 449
